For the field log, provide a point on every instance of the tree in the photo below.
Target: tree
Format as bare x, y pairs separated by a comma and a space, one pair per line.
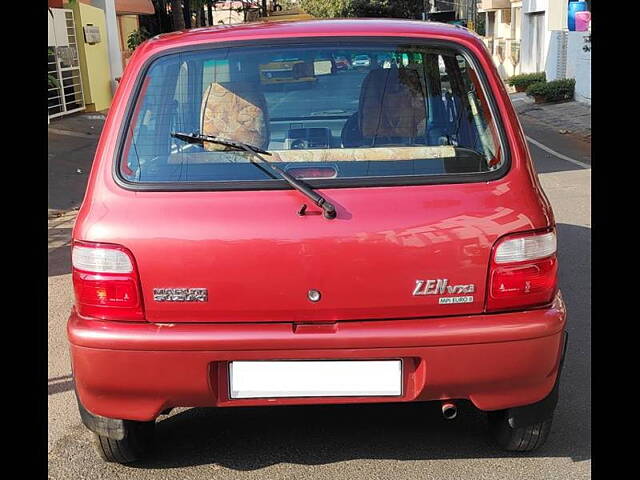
177, 14
210, 11
326, 8
363, 8
136, 37
186, 10
160, 22
198, 5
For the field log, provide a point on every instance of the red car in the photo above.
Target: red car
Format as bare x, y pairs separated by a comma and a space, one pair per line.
342, 63
385, 239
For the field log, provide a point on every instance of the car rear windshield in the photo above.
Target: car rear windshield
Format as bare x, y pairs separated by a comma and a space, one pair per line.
349, 111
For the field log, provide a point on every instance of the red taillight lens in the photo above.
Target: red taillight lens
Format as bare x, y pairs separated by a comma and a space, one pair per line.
523, 272
106, 283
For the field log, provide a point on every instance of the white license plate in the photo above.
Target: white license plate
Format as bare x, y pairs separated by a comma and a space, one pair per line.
315, 378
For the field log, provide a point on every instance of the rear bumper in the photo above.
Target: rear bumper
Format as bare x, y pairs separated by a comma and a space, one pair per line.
136, 370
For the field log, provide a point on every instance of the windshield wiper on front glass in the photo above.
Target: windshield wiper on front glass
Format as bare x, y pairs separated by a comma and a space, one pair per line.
328, 208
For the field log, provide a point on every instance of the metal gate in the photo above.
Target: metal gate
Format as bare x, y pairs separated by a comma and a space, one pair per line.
65, 80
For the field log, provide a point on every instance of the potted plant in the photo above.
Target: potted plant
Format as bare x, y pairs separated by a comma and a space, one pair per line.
555, 91
522, 81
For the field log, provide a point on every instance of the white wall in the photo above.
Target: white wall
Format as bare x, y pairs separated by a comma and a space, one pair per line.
527, 53
579, 66
113, 38
57, 28
560, 58
503, 29
558, 14
575, 42
555, 66
567, 59
231, 17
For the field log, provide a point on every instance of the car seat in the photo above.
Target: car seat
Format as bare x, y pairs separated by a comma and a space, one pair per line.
235, 111
391, 110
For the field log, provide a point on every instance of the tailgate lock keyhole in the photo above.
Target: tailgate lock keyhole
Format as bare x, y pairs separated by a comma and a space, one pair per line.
313, 295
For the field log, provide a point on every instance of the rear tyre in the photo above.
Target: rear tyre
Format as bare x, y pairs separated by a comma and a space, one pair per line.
137, 443
523, 439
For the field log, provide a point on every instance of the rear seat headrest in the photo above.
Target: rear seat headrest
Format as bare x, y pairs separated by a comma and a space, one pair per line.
235, 111
392, 104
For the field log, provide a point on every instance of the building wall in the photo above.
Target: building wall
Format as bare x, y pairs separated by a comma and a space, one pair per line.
516, 36
516, 20
499, 30
583, 78
558, 11
503, 23
555, 19
528, 50
556, 63
231, 16
579, 65
228, 17
94, 59
126, 24
560, 52
575, 42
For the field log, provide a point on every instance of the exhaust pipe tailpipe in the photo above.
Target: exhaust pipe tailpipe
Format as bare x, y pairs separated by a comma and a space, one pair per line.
449, 410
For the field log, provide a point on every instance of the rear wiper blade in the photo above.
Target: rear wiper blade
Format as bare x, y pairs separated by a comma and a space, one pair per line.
328, 208
199, 139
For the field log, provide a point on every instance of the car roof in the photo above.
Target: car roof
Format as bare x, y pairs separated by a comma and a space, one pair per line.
308, 28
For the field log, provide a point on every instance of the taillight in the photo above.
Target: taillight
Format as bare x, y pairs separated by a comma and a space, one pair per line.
106, 282
523, 271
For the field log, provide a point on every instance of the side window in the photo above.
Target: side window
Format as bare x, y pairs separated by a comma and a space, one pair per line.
460, 114
215, 71
184, 107
152, 118
180, 103
445, 84
487, 133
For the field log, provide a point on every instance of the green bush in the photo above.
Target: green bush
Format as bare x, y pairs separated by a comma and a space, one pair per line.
537, 88
137, 37
362, 8
525, 79
555, 91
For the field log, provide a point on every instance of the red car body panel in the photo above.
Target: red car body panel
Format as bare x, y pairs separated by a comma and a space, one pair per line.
258, 269
364, 269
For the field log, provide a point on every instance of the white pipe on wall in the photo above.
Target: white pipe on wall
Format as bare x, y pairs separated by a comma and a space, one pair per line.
113, 38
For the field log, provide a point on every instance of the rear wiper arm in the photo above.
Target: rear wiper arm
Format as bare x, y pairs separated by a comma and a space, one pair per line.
200, 139
328, 208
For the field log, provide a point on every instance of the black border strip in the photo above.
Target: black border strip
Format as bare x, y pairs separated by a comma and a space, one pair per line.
276, 184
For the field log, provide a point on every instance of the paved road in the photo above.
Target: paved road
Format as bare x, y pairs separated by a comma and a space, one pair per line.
409, 441
71, 144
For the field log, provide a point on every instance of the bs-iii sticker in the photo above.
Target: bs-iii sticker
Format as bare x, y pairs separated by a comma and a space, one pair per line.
180, 294
440, 286
450, 300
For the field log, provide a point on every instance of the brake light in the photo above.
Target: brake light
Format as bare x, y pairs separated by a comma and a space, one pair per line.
523, 271
106, 282
312, 172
